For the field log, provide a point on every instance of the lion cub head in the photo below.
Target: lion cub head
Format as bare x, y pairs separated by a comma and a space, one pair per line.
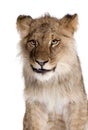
47, 45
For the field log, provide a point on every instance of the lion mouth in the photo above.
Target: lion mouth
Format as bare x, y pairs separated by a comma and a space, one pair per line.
41, 70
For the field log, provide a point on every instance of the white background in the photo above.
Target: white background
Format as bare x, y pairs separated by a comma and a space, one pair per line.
11, 81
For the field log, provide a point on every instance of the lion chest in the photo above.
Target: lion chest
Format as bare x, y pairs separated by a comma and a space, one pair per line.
55, 103
51, 98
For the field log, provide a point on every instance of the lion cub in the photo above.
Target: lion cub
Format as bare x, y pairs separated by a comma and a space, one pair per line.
54, 91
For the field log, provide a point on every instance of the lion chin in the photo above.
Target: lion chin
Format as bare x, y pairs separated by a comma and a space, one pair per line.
43, 74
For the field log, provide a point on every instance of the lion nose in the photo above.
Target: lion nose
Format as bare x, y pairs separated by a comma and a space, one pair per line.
41, 62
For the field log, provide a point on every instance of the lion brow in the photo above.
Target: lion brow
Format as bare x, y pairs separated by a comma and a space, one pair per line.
66, 36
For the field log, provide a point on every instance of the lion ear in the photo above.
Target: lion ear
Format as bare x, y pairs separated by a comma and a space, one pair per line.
23, 24
70, 22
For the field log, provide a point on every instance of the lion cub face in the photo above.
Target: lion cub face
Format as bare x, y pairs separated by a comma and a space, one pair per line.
47, 45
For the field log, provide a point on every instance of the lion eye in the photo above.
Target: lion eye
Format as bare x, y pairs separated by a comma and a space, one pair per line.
55, 42
33, 43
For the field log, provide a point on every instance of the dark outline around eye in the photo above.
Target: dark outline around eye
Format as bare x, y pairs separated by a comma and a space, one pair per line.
53, 42
33, 43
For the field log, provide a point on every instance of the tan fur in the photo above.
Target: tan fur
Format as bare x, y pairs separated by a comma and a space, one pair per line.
54, 95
